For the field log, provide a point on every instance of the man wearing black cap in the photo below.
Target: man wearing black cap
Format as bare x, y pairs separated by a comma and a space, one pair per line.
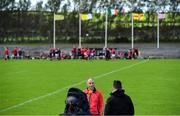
118, 103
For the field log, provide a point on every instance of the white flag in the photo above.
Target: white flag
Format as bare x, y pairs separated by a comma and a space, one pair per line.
89, 16
161, 16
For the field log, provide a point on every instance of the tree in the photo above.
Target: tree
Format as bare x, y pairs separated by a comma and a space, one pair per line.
53, 5
174, 5
24, 5
65, 7
7, 4
39, 6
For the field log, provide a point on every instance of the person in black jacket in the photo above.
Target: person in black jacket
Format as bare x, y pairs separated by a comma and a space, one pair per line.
118, 103
76, 103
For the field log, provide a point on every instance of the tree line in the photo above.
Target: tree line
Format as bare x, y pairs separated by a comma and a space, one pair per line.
91, 5
19, 22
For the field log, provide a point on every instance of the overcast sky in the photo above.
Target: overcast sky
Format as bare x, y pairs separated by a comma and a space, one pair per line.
33, 4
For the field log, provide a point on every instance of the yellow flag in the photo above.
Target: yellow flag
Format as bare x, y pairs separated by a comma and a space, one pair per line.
58, 17
138, 16
83, 17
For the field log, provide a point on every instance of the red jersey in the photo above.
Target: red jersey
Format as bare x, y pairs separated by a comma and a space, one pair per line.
93, 51
95, 99
113, 51
6, 51
82, 50
15, 51
88, 51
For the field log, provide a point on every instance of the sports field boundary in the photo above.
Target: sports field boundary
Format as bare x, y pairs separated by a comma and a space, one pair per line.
73, 85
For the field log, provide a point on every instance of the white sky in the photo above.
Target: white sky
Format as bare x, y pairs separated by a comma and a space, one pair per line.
33, 2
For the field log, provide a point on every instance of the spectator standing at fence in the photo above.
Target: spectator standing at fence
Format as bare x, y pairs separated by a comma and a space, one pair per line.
94, 97
118, 103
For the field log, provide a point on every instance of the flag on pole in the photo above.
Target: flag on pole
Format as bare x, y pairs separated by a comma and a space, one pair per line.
85, 17
89, 16
114, 12
58, 17
138, 16
161, 16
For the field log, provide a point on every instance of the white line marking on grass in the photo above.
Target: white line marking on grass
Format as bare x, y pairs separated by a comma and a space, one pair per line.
124, 68
76, 84
16, 72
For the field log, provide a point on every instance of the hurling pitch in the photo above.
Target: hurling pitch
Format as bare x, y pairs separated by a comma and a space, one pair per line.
39, 87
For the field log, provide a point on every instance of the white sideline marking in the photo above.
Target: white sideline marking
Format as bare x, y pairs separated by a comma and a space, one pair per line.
16, 72
76, 84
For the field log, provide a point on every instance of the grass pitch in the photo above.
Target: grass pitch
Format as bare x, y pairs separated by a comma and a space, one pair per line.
39, 87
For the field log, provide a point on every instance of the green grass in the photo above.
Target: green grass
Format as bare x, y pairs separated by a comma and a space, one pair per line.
152, 85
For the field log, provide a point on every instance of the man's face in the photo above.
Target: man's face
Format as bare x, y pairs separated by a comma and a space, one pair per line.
90, 84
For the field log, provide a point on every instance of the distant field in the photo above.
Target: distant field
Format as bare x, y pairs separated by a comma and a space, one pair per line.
39, 87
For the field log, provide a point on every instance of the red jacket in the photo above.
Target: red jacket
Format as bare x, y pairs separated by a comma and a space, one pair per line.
96, 103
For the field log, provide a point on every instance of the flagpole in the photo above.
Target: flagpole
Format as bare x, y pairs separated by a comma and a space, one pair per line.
157, 30
79, 25
79, 30
54, 32
132, 34
106, 29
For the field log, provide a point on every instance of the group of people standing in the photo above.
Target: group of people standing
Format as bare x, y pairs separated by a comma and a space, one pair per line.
82, 53
16, 53
118, 103
87, 53
75, 53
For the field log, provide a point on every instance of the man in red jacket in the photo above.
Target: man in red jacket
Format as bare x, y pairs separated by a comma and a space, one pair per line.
95, 98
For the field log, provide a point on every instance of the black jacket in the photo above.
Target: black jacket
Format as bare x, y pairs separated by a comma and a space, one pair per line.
119, 104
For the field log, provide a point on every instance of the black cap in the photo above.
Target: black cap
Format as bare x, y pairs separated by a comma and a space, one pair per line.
117, 84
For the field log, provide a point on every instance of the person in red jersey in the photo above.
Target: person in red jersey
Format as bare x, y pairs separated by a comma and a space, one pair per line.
6, 53
82, 52
74, 52
15, 52
113, 53
94, 97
